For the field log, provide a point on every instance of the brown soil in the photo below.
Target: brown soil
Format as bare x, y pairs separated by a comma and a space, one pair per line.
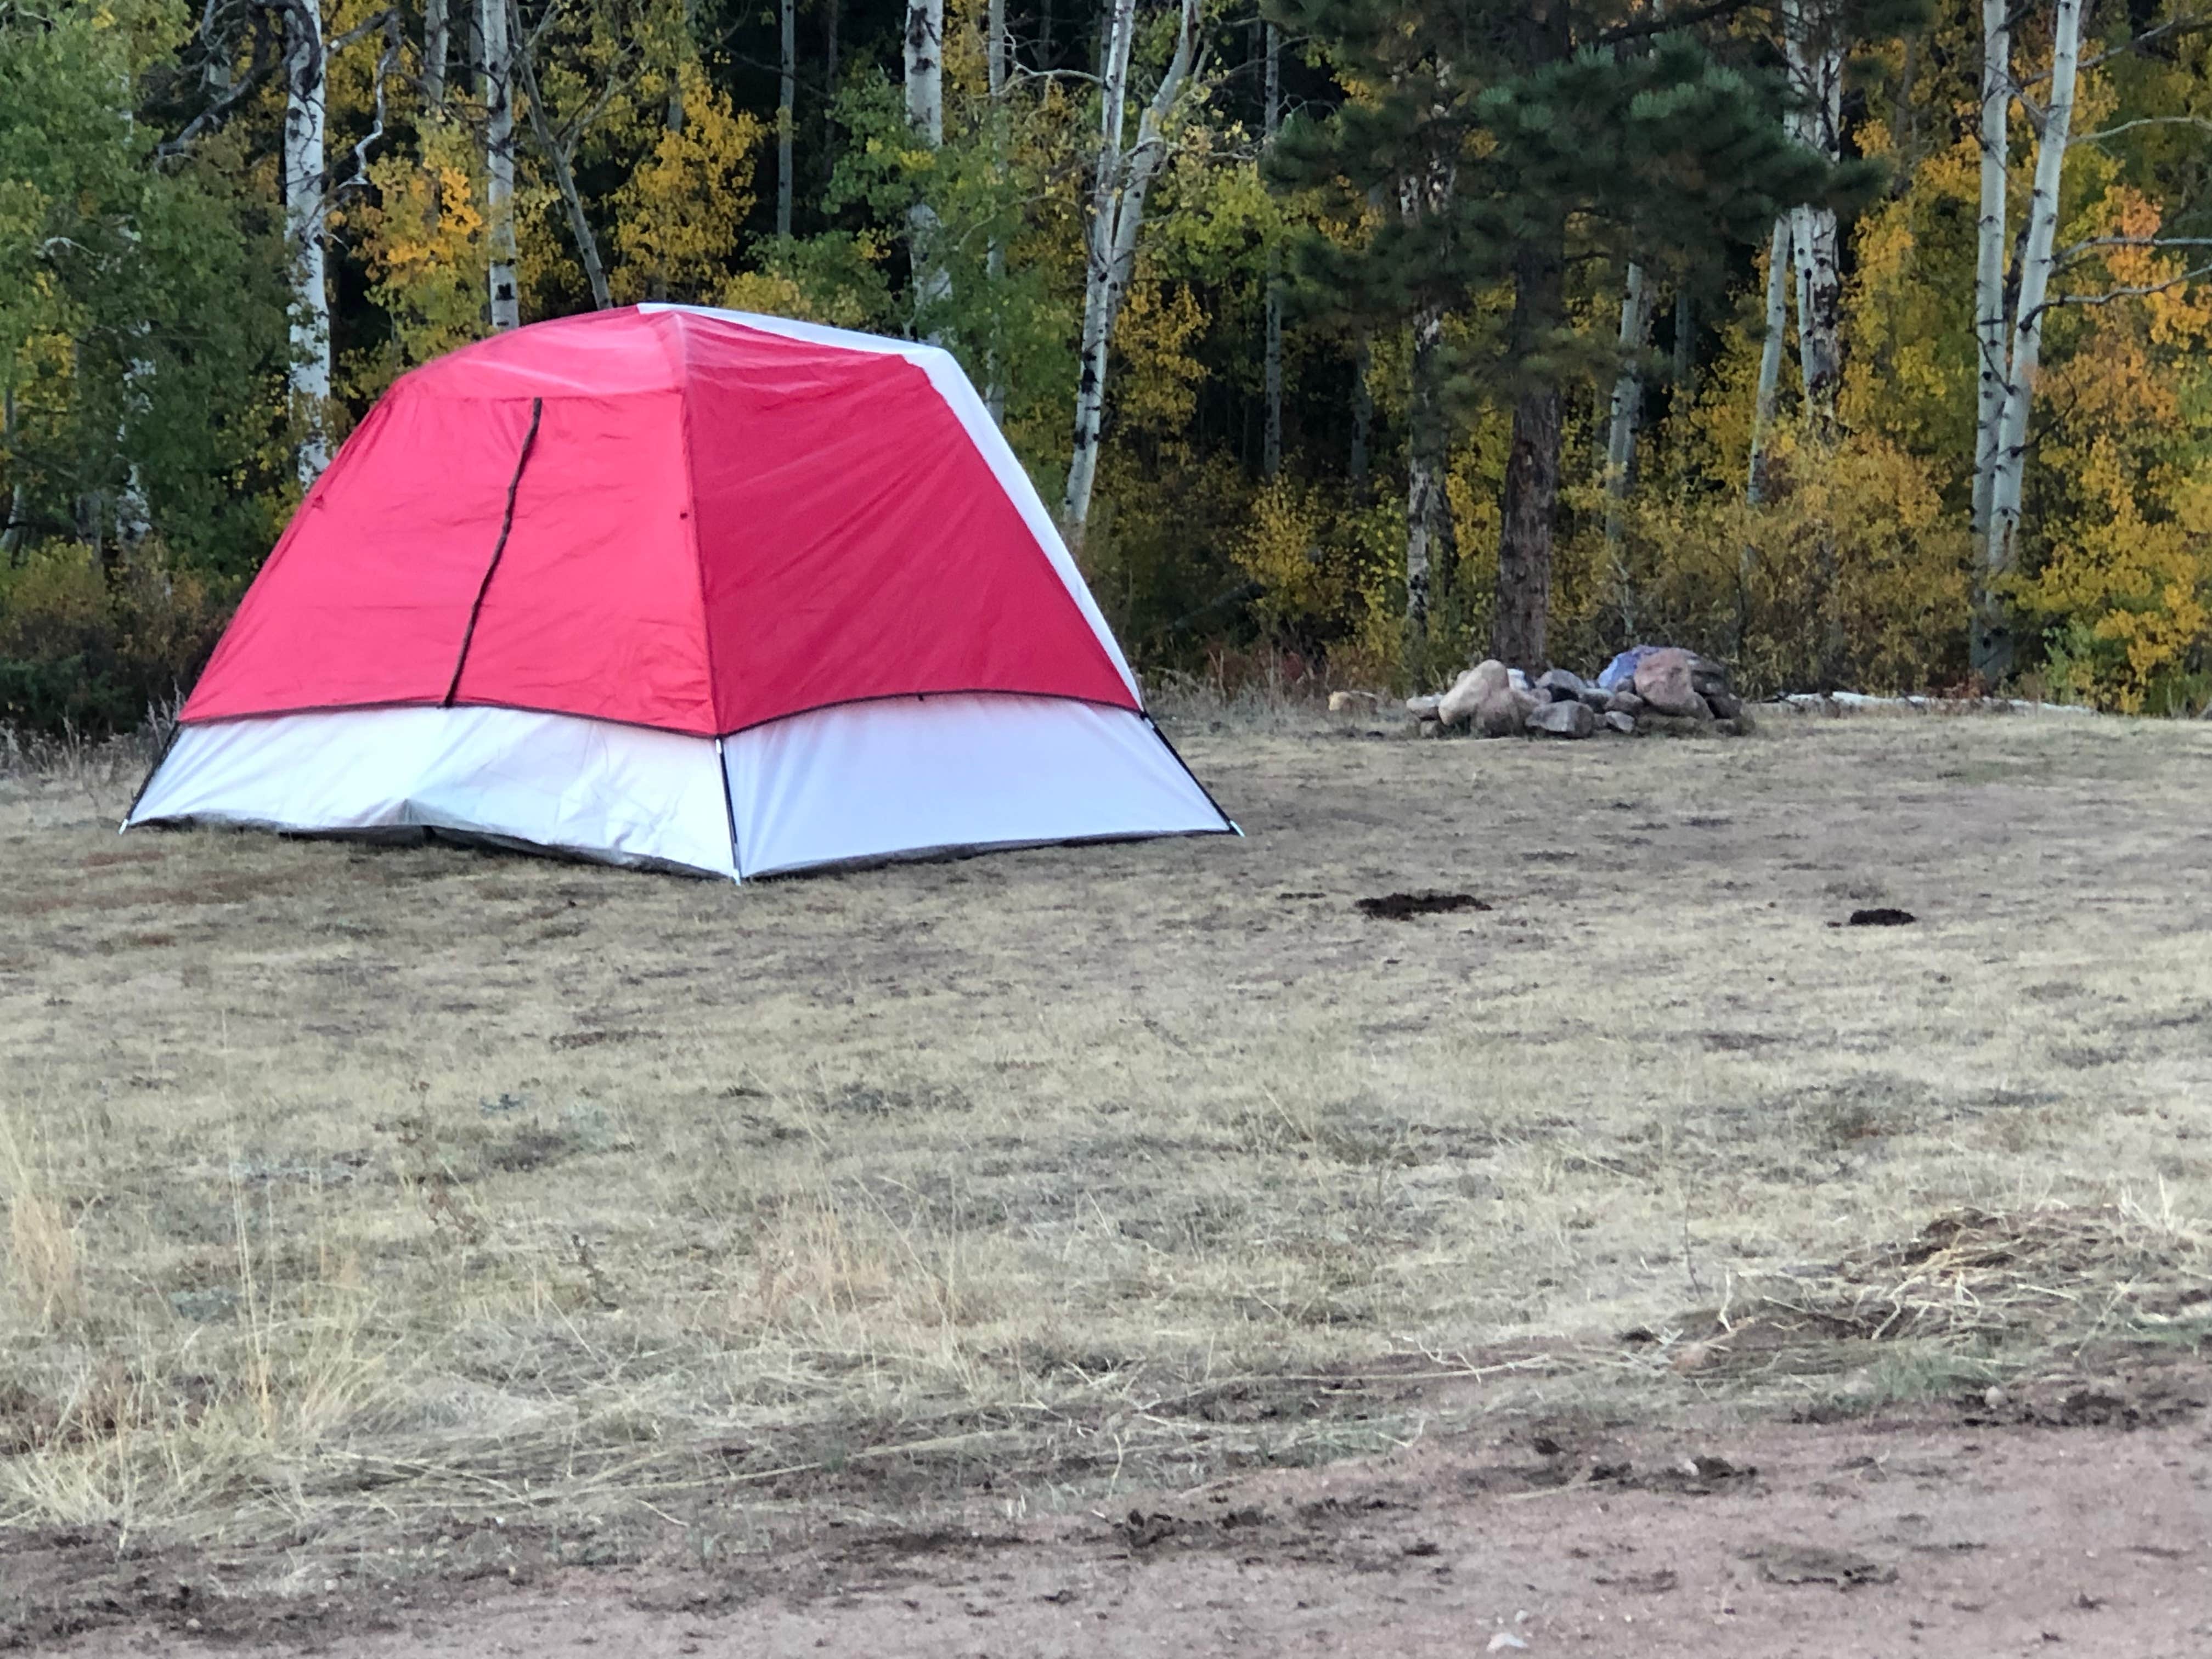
1948, 1533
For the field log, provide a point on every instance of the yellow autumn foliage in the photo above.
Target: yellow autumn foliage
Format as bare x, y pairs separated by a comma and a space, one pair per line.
421, 239
678, 213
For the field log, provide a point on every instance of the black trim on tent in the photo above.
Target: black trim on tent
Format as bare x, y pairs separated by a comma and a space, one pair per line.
176, 728
506, 525
729, 810
682, 731
1155, 725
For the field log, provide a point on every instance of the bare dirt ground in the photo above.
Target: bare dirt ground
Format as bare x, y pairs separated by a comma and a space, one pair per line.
1874, 1539
1111, 1249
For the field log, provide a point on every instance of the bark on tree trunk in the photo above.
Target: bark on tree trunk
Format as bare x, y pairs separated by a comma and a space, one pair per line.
925, 69
786, 116
436, 38
924, 112
133, 516
1117, 215
996, 61
11, 533
1819, 316
1769, 361
1621, 431
1990, 251
1989, 634
1270, 444
2010, 463
1816, 72
1532, 465
1762, 413
305, 114
494, 24
1431, 536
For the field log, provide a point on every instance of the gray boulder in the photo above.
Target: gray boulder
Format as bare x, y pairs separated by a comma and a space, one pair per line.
1562, 719
1624, 724
1624, 702
1596, 699
1501, 712
1421, 708
1469, 692
1663, 681
1725, 703
1561, 685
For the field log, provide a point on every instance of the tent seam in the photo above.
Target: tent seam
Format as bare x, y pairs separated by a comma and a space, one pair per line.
678, 371
498, 552
648, 725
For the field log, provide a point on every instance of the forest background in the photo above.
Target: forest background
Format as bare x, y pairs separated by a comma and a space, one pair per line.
1864, 344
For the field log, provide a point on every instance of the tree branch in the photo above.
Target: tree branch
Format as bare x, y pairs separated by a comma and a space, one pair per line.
394, 40
2147, 121
169, 148
2185, 25
1663, 22
2147, 288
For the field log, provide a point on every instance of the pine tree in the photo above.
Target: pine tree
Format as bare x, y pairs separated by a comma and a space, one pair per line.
1567, 129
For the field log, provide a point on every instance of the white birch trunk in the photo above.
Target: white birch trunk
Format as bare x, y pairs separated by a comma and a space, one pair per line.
1270, 444
786, 116
2010, 462
1431, 543
494, 26
925, 69
925, 114
134, 519
1816, 70
1989, 252
1432, 537
1627, 402
997, 59
305, 114
1117, 215
1769, 360
437, 32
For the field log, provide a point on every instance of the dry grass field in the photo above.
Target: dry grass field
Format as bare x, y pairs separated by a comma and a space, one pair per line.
382, 1207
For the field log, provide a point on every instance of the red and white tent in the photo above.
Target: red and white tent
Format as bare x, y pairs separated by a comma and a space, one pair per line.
684, 587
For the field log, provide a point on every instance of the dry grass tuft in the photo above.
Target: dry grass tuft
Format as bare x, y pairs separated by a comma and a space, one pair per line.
43, 1269
2059, 1274
42, 1259
2005, 1288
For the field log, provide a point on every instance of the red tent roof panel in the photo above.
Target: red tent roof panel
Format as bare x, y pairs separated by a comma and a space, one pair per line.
715, 526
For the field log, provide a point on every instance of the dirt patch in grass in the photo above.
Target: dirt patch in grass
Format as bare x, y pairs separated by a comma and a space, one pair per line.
1873, 1537
403, 1194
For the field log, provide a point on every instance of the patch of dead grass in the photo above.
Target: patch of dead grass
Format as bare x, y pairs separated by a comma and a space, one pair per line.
2005, 1289
397, 1184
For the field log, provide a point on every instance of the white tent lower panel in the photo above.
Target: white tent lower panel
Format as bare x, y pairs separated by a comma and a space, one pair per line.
904, 775
613, 792
862, 780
